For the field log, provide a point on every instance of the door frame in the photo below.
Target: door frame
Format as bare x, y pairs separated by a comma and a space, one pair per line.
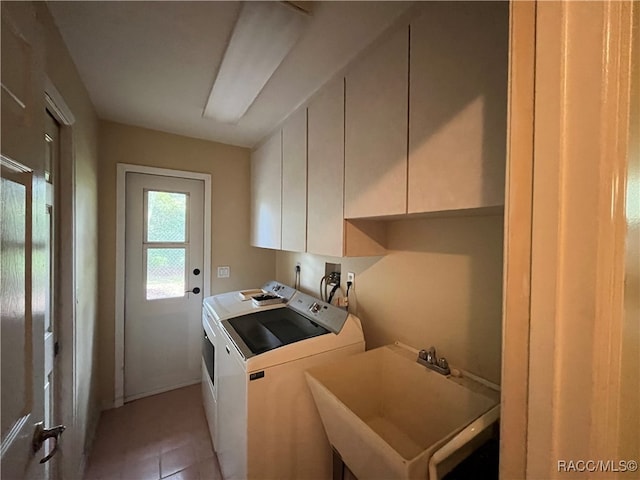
562, 311
65, 388
122, 170
518, 217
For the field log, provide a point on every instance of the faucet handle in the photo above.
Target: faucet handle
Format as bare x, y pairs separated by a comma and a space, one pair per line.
427, 355
432, 357
429, 359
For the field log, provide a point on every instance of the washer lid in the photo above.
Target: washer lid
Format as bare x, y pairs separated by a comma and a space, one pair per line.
260, 332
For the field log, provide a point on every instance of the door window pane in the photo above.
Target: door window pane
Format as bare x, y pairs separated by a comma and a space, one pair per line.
165, 273
166, 217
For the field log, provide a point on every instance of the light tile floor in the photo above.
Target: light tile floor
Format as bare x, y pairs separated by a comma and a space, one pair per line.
163, 436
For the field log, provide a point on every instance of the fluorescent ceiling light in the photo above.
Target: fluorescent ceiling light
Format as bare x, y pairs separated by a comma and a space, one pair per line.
263, 36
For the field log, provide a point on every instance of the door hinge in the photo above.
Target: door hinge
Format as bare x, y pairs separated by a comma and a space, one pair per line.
56, 349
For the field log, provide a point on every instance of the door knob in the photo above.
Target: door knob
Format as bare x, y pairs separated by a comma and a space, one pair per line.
195, 290
41, 434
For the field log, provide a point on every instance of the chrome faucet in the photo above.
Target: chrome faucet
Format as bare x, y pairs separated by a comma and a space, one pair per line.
430, 359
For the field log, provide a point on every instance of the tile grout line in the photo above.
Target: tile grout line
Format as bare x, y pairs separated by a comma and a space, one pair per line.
192, 447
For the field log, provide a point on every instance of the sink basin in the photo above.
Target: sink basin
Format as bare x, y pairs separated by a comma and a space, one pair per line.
386, 415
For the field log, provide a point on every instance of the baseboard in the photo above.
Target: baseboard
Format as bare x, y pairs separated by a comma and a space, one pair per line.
162, 390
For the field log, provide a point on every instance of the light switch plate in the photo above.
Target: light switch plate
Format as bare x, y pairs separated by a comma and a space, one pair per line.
224, 271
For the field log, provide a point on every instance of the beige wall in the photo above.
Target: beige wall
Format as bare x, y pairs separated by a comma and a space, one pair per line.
63, 74
229, 169
440, 284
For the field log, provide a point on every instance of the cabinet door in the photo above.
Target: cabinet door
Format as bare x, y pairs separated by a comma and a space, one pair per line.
266, 193
294, 183
458, 106
376, 106
325, 229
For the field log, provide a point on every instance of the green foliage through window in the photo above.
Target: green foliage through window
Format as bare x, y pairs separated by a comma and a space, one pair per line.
166, 217
165, 273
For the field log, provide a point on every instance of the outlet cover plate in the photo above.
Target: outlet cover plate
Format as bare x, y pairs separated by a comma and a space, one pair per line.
224, 271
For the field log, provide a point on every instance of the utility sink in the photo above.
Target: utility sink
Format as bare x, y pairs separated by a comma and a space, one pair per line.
386, 415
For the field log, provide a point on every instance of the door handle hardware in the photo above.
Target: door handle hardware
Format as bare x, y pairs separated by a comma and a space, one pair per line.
41, 434
195, 290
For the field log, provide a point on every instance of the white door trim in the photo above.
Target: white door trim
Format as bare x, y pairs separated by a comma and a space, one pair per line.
66, 387
122, 170
518, 212
56, 104
563, 317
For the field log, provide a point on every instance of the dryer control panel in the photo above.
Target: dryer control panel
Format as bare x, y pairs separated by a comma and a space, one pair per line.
329, 316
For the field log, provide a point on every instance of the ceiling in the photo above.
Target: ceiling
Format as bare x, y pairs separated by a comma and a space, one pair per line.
152, 64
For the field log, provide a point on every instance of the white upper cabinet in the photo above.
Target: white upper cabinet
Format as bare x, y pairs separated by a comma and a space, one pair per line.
325, 224
458, 106
294, 182
376, 106
418, 125
266, 193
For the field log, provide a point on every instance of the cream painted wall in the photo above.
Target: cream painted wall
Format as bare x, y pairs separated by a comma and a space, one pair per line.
440, 284
62, 72
229, 169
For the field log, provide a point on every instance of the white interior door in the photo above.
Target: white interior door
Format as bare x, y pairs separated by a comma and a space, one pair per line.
163, 283
23, 242
22, 380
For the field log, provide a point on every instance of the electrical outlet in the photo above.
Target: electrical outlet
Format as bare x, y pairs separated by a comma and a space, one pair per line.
224, 272
351, 277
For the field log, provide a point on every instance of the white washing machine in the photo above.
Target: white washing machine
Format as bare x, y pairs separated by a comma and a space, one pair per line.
266, 423
223, 306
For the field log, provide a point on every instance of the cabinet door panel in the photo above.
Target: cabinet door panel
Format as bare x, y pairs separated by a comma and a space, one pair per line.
458, 106
376, 130
325, 229
266, 193
294, 183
